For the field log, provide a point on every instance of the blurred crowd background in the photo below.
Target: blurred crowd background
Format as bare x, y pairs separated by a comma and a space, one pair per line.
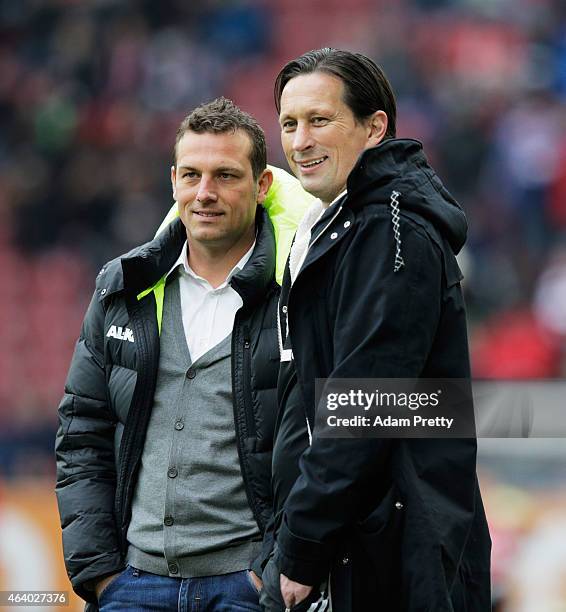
92, 92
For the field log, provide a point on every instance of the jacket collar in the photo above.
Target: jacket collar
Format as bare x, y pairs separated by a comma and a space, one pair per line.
258, 274
145, 265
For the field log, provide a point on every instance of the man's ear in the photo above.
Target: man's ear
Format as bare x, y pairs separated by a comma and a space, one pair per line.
264, 183
173, 181
377, 127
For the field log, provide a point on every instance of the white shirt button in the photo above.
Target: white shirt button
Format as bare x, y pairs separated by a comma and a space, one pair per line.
333, 236
347, 224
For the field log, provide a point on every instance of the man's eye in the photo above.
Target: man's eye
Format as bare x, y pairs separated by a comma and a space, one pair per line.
226, 175
190, 175
289, 125
319, 120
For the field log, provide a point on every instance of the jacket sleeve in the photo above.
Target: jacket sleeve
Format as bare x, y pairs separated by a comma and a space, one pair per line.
86, 474
258, 563
383, 324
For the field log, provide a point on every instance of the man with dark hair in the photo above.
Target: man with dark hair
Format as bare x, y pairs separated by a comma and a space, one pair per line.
221, 117
366, 88
164, 443
371, 290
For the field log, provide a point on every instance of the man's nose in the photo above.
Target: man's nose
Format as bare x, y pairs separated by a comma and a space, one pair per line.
206, 191
302, 138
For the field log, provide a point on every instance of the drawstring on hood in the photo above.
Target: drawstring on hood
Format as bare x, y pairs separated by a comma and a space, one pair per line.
394, 203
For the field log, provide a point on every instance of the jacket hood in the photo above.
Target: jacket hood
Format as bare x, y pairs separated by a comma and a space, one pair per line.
397, 171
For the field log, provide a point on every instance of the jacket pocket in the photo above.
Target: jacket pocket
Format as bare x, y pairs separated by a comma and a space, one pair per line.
380, 536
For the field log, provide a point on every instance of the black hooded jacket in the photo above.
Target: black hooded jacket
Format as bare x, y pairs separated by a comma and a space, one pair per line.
400, 522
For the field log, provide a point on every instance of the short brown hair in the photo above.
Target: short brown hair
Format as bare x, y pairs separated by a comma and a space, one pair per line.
221, 116
366, 88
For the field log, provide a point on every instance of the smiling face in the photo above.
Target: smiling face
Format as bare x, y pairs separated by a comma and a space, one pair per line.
216, 192
320, 135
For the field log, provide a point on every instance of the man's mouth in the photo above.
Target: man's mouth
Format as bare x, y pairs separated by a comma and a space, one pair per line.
207, 214
311, 163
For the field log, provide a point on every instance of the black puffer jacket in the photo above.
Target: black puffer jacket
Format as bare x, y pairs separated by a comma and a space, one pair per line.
109, 395
400, 522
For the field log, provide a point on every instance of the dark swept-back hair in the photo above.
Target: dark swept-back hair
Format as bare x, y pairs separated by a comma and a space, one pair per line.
219, 117
366, 88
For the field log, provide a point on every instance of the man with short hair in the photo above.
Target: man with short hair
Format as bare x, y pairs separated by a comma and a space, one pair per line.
165, 436
371, 290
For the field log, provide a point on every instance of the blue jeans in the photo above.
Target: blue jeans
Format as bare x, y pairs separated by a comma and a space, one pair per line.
135, 589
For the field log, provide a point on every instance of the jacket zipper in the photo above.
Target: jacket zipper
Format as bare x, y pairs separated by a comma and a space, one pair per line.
279, 327
279, 332
248, 414
250, 421
147, 376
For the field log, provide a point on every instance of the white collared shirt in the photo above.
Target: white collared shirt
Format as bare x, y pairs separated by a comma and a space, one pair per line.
208, 313
300, 246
